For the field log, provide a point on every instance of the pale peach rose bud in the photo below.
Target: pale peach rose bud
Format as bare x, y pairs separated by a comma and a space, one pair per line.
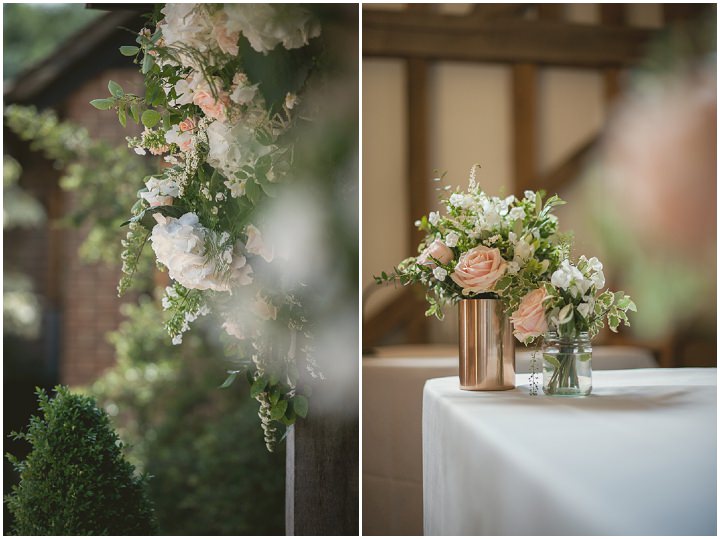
479, 269
438, 250
529, 320
188, 124
210, 106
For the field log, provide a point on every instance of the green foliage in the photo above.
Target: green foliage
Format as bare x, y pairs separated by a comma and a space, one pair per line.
101, 199
211, 474
31, 32
75, 480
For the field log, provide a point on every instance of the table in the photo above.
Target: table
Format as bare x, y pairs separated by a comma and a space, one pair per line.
637, 457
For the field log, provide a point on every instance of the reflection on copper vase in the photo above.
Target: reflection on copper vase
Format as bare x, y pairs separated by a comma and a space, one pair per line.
487, 349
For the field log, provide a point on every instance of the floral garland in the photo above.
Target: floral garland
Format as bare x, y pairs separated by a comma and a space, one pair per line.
222, 87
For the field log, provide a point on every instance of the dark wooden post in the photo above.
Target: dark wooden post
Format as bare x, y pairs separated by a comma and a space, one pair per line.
321, 485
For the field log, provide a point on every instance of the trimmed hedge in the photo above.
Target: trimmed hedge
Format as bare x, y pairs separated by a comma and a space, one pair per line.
75, 480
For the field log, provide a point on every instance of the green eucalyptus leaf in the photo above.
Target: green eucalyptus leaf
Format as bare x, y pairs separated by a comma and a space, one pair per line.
301, 405
129, 50
150, 118
103, 104
115, 89
278, 410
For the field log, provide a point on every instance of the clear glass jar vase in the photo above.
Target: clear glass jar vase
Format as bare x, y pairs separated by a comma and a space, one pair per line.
567, 369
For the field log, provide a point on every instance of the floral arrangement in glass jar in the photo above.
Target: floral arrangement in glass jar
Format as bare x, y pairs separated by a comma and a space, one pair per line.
223, 87
510, 249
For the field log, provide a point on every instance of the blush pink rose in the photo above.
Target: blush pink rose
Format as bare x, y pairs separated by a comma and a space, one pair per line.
529, 320
438, 250
479, 269
188, 124
213, 108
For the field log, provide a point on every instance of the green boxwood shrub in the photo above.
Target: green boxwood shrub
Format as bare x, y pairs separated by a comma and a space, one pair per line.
75, 480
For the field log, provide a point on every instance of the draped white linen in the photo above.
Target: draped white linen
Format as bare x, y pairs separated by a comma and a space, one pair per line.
638, 456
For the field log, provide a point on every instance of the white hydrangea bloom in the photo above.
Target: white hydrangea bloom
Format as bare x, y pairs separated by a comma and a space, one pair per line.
231, 147
267, 25
179, 244
160, 192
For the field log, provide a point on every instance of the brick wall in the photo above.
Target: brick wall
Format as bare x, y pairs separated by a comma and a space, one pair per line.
89, 296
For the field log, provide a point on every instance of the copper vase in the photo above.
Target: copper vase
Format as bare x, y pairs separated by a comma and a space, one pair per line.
487, 348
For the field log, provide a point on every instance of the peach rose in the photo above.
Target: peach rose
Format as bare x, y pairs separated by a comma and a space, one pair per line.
438, 250
188, 124
213, 108
479, 269
529, 319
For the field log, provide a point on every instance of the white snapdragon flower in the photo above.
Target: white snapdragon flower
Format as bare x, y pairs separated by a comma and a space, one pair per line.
160, 192
457, 200
440, 273
434, 218
492, 218
451, 239
516, 213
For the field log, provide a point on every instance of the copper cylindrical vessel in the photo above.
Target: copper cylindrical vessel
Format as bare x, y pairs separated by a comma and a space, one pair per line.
487, 349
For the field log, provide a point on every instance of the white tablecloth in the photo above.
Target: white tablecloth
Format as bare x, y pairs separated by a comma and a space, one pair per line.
637, 457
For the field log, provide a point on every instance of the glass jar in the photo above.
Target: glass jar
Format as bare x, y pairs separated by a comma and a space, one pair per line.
567, 370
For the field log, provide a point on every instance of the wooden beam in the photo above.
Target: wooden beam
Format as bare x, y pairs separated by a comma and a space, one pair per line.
551, 12
446, 37
417, 172
525, 126
397, 314
554, 181
417, 150
612, 15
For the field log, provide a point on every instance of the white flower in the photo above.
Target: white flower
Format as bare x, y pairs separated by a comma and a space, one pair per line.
264, 309
291, 100
184, 139
440, 273
524, 249
451, 239
513, 267
267, 25
434, 218
516, 213
530, 195
140, 151
457, 199
188, 26
256, 245
492, 218
179, 244
242, 92
160, 192
584, 310
493, 239
232, 147
177, 339
598, 279
594, 264
237, 188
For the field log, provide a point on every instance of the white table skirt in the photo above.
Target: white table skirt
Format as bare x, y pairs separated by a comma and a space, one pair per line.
637, 457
